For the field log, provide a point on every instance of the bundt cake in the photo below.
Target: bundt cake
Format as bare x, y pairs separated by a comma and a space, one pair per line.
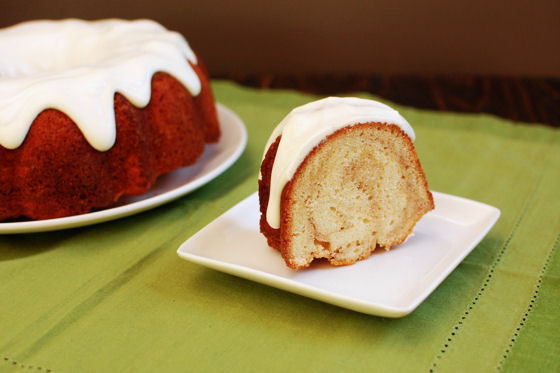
339, 178
94, 110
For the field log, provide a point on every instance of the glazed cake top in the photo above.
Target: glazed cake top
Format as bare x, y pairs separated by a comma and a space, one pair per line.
77, 66
306, 126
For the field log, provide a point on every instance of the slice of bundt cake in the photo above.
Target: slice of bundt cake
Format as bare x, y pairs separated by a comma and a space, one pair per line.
340, 177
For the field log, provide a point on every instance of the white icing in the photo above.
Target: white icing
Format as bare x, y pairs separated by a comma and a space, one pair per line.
77, 66
306, 126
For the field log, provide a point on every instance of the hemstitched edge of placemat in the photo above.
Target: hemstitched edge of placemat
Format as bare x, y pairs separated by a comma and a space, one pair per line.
16, 364
488, 277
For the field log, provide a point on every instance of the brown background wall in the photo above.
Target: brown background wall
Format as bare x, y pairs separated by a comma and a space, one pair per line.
512, 37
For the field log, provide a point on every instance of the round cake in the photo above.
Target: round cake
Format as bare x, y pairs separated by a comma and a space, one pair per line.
94, 110
339, 178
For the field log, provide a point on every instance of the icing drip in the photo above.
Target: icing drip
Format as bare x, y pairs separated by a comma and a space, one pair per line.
77, 67
306, 126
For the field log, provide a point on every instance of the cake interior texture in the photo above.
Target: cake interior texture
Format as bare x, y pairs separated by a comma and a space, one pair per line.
360, 189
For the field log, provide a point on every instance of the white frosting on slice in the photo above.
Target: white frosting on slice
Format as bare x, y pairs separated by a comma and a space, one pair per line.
77, 66
306, 126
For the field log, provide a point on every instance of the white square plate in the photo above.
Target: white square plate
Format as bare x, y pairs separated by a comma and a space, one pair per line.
389, 284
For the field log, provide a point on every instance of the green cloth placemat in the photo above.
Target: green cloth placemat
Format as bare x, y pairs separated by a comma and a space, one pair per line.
116, 297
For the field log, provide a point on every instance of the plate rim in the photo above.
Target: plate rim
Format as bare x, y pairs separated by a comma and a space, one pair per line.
491, 216
232, 122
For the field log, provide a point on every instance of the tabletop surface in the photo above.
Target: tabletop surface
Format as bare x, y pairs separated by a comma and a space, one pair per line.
116, 297
526, 99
